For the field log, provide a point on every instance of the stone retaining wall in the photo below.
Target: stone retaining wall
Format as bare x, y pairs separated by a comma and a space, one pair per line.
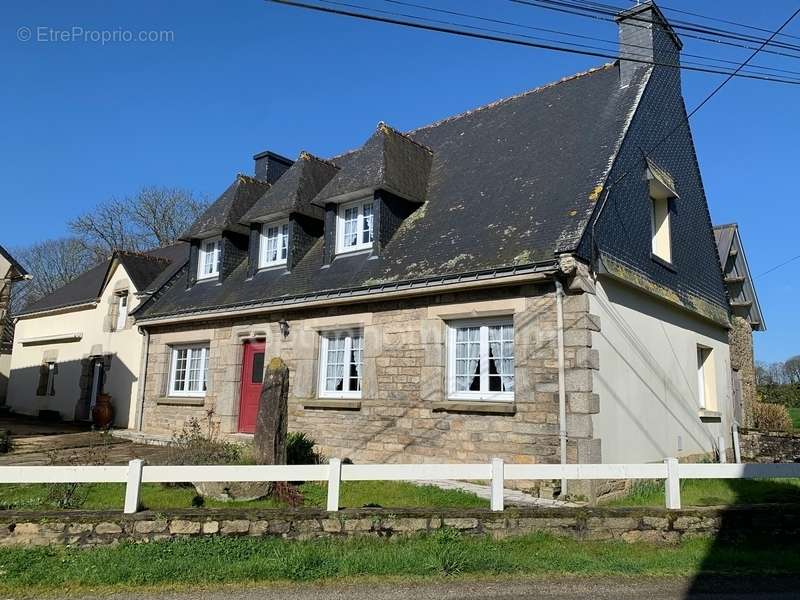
769, 446
89, 528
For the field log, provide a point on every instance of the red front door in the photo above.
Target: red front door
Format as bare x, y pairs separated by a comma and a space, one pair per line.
252, 376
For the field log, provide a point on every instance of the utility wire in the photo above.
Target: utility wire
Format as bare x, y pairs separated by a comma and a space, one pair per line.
535, 4
612, 11
614, 43
776, 267
517, 42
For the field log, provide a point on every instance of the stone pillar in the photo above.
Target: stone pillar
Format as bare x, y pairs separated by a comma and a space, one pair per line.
740, 339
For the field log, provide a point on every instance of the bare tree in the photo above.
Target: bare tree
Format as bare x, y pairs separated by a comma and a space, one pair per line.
52, 264
791, 369
154, 217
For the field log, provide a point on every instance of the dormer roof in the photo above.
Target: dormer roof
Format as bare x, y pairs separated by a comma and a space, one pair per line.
389, 160
294, 191
226, 212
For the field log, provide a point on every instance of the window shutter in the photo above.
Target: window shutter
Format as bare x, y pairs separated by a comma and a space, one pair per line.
41, 388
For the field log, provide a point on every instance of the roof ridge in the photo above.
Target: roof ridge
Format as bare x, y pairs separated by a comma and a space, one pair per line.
142, 254
513, 97
304, 154
386, 128
251, 179
725, 225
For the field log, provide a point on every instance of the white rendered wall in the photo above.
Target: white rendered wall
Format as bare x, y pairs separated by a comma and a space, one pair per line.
647, 381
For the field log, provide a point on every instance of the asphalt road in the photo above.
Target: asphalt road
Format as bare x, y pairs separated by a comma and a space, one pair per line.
595, 588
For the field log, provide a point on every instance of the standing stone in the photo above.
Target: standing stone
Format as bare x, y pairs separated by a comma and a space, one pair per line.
273, 415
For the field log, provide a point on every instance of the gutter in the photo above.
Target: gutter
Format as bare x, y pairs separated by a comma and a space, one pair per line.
57, 310
142, 379
562, 395
511, 276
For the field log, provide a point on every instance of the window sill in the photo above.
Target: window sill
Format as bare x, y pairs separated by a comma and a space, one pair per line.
664, 263
181, 401
332, 404
476, 406
710, 416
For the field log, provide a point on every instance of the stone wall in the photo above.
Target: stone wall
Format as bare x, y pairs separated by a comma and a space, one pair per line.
404, 414
742, 360
84, 528
769, 446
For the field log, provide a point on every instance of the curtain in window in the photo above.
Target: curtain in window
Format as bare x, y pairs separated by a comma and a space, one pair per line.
334, 372
366, 236
468, 352
351, 226
501, 358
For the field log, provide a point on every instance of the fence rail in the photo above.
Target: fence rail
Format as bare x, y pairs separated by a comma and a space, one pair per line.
497, 472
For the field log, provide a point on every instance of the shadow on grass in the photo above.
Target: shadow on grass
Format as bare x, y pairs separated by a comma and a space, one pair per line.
759, 525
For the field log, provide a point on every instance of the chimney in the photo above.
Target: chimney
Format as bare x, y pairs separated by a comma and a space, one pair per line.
646, 35
270, 166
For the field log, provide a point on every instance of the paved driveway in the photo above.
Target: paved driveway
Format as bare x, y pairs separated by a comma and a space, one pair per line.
750, 588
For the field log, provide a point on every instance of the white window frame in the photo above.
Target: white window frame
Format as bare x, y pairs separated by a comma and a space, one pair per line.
122, 311
191, 350
706, 379
359, 205
484, 394
661, 228
51, 379
325, 337
282, 240
203, 254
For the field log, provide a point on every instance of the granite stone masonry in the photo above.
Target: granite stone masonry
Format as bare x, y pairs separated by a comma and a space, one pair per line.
654, 525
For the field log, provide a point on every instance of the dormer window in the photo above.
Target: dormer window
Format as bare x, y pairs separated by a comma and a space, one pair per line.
208, 258
274, 246
354, 228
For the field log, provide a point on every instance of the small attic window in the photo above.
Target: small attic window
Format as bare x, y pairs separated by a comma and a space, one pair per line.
354, 227
208, 258
274, 245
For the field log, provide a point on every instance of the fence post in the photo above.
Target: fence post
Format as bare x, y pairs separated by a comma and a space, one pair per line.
334, 478
133, 485
737, 450
672, 485
498, 477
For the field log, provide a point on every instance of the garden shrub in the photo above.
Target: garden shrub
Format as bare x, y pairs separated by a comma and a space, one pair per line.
300, 450
771, 417
194, 446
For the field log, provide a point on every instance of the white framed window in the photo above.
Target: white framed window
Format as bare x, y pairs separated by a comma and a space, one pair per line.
122, 311
274, 245
51, 379
208, 258
706, 381
354, 226
188, 371
660, 229
340, 364
480, 357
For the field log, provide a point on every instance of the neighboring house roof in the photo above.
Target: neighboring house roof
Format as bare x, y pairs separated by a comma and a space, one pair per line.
226, 212
389, 160
294, 191
19, 271
738, 279
511, 184
144, 270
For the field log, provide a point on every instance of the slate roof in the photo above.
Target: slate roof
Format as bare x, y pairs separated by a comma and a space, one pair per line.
146, 270
738, 279
511, 184
294, 191
20, 270
389, 160
225, 213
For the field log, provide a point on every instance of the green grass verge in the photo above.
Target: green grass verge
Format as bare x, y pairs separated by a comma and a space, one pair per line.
354, 494
715, 492
795, 414
209, 561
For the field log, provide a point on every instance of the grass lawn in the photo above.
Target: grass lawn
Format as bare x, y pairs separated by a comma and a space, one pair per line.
209, 561
714, 492
353, 494
795, 414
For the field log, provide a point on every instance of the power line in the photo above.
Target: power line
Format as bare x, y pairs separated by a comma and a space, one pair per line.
776, 267
615, 43
517, 42
605, 17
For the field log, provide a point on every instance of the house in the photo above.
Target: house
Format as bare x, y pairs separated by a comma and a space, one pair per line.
746, 317
536, 279
10, 272
80, 340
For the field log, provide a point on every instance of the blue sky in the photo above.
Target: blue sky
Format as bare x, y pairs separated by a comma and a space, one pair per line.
84, 121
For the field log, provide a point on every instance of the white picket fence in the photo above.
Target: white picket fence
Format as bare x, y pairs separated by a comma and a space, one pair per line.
136, 472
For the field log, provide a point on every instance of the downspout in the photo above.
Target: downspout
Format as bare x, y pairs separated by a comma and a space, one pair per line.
562, 394
142, 379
